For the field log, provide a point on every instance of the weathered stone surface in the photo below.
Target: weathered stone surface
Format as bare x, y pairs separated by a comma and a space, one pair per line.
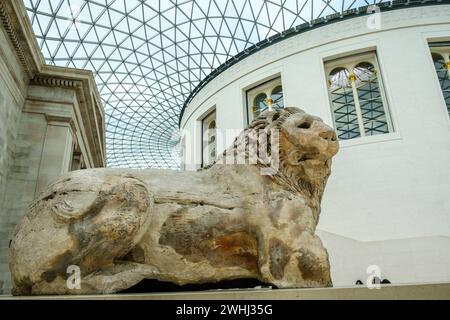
226, 222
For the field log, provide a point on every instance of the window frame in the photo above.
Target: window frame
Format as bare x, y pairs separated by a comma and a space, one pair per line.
254, 91
350, 62
441, 48
210, 117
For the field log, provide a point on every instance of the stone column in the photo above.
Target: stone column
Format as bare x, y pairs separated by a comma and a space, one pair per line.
43, 153
57, 151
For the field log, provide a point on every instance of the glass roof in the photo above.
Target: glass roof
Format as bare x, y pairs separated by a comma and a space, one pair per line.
147, 57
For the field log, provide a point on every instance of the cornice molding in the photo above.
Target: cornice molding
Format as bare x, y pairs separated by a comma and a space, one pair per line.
55, 82
19, 31
57, 120
9, 28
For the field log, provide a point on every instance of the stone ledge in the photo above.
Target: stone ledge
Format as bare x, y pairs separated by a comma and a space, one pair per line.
431, 291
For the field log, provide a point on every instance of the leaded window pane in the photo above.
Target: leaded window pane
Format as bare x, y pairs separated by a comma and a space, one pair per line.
345, 113
442, 66
277, 98
371, 102
260, 104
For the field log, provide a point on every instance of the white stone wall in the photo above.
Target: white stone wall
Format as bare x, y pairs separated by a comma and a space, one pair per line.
386, 188
402, 261
12, 97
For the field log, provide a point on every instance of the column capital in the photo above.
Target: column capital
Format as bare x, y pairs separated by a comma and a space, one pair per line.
58, 120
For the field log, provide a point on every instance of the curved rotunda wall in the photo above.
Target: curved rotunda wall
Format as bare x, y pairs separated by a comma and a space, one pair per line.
386, 202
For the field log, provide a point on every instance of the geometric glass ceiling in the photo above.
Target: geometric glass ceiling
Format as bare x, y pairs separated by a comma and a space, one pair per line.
147, 57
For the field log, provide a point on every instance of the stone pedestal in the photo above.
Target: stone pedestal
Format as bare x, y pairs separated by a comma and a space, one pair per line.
420, 291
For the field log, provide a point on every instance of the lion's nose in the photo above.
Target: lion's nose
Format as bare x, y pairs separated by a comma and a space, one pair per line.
328, 135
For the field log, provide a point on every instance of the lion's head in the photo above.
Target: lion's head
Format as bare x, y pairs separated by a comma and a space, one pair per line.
304, 138
306, 145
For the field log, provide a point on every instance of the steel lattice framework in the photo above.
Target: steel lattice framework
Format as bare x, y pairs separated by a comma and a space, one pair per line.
148, 56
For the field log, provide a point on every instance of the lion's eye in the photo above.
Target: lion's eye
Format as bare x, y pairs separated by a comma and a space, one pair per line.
304, 125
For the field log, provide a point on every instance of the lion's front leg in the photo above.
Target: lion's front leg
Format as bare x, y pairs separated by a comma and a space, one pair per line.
302, 263
311, 260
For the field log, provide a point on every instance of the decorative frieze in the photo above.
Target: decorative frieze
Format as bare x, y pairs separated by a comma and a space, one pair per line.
56, 82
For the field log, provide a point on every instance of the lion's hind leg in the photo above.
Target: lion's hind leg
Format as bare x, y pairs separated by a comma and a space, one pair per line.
86, 226
119, 220
124, 215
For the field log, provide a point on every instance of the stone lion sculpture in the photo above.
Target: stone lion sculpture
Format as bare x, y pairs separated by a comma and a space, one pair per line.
227, 222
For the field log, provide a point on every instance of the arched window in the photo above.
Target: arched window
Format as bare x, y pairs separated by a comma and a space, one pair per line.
212, 139
441, 59
209, 143
266, 96
356, 96
344, 109
259, 104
